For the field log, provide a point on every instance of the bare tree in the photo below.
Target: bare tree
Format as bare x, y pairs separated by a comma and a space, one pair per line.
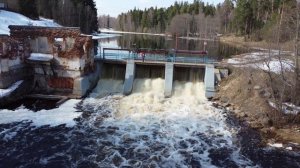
297, 75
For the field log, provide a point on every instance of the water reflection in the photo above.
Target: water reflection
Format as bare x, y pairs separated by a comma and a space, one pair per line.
216, 49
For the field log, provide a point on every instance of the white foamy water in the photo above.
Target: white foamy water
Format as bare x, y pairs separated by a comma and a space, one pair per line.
65, 114
106, 87
145, 128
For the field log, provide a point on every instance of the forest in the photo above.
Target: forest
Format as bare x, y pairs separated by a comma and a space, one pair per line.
72, 13
255, 19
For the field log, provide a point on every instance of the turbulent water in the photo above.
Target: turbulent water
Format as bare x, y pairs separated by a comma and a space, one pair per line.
143, 129
148, 129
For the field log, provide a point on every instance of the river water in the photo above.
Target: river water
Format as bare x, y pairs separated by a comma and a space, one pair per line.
216, 49
144, 129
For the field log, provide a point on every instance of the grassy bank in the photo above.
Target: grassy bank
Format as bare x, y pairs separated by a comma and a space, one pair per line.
240, 41
247, 94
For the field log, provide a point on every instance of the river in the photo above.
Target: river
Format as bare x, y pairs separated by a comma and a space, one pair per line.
144, 129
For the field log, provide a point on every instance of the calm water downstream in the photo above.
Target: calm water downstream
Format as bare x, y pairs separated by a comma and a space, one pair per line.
143, 129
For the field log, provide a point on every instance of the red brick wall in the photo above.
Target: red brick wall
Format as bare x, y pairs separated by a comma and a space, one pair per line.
61, 83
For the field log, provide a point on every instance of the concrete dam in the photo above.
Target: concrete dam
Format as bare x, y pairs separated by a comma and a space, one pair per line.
126, 72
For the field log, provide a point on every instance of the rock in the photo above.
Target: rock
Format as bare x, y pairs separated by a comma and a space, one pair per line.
266, 122
243, 114
256, 125
216, 105
267, 94
257, 87
224, 99
227, 104
289, 148
216, 98
237, 111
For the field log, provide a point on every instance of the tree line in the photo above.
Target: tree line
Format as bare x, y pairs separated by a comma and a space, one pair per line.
255, 19
160, 20
72, 13
261, 19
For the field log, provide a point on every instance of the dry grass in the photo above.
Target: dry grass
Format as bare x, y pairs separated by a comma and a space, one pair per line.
248, 91
240, 41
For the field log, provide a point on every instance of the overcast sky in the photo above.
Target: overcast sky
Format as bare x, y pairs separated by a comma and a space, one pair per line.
116, 7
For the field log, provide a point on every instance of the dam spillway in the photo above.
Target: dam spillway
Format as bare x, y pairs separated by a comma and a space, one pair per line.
169, 71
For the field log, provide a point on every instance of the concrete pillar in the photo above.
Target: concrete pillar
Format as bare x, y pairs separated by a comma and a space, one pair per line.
169, 72
82, 85
209, 80
129, 77
4, 65
218, 75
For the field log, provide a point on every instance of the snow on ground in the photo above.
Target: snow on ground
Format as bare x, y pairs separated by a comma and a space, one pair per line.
125, 32
276, 66
40, 57
10, 18
65, 114
104, 36
288, 108
8, 91
264, 60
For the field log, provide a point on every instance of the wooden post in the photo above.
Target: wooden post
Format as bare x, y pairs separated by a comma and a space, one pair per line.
176, 45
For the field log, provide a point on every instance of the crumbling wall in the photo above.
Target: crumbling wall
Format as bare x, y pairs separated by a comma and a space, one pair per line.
12, 55
72, 52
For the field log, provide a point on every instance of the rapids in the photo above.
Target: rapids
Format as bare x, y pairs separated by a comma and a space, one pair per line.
143, 129
146, 129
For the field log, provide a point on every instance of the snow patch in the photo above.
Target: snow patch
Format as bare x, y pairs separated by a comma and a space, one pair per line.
288, 108
276, 145
263, 60
276, 66
104, 36
65, 114
125, 32
40, 57
8, 91
10, 18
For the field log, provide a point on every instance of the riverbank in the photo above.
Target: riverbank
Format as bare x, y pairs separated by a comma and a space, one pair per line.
246, 93
240, 41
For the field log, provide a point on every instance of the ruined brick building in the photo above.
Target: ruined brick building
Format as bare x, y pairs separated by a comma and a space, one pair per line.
55, 60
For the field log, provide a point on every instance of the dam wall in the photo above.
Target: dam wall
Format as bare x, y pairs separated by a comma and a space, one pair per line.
170, 72
129, 77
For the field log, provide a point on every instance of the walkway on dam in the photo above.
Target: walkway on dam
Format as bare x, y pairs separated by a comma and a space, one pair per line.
150, 56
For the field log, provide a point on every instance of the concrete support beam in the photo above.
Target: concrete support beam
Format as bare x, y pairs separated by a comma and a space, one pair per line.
129, 77
169, 72
209, 81
86, 83
4, 65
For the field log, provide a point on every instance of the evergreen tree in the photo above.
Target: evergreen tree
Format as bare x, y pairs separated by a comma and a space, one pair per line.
29, 8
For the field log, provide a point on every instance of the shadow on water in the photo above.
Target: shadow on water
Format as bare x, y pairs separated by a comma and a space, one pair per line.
32, 104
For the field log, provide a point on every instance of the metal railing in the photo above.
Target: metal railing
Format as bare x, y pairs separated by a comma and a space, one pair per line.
150, 55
